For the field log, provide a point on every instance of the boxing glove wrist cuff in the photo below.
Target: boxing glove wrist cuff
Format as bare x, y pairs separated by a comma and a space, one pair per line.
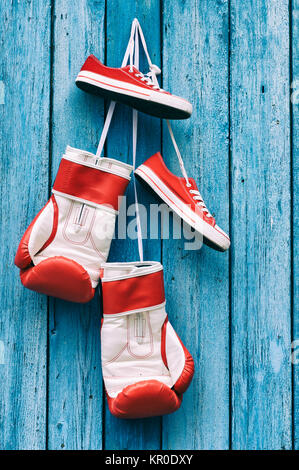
139, 287
87, 183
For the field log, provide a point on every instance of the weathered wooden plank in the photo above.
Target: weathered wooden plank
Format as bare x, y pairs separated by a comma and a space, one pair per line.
75, 382
260, 218
195, 59
24, 132
295, 176
132, 434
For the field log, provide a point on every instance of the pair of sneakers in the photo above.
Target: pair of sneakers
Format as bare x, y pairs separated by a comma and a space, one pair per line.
129, 86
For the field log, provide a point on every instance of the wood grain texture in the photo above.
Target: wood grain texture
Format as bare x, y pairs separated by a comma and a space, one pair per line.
24, 134
295, 214
75, 382
197, 281
260, 220
133, 434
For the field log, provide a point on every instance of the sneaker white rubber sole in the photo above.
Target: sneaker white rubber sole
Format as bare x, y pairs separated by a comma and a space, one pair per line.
212, 236
152, 102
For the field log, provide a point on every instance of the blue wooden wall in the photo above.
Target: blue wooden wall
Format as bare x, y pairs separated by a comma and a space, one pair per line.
238, 63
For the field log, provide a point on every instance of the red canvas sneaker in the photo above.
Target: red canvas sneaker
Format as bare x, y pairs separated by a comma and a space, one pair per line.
129, 86
182, 195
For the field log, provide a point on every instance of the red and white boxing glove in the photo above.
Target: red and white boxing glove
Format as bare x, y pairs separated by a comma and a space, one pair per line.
62, 250
146, 367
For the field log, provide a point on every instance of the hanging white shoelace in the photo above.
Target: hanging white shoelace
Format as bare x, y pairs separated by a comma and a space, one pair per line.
132, 55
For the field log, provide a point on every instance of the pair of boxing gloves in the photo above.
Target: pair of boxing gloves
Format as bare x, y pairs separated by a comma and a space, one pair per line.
63, 253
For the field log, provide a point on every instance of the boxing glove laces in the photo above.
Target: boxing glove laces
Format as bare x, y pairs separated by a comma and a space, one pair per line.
146, 367
62, 250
